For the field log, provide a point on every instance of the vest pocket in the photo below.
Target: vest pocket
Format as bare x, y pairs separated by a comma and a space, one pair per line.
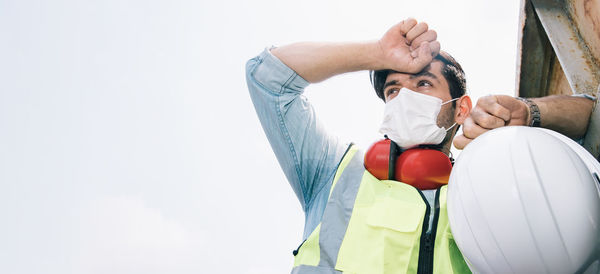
396, 214
387, 240
384, 229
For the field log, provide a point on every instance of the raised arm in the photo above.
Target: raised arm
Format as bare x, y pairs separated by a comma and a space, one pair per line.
568, 115
406, 47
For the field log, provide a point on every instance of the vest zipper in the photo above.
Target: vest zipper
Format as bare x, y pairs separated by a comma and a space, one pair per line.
427, 242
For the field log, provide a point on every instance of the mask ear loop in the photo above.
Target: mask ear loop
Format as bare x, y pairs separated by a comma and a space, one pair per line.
451, 100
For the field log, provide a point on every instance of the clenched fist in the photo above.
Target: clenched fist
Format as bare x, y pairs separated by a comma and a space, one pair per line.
408, 46
492, 111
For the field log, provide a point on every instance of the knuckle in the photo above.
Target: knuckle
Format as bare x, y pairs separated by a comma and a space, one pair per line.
468, 127
469, 133
477, 113
496, 110
433, 33
458, 145
487, 121
410, 22
480, 103
490, 120
461, 141
486, 99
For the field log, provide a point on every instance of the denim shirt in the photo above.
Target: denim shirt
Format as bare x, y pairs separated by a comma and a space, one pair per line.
308, 155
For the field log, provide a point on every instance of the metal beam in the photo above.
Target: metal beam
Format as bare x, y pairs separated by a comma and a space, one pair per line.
575, 57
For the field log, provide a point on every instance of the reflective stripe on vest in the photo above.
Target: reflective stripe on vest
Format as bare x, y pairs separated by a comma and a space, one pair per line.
372, 226
338, 211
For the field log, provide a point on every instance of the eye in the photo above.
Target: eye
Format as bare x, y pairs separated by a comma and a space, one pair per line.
424, 83
391, 91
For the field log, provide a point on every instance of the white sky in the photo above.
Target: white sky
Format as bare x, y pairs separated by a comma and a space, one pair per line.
128, 142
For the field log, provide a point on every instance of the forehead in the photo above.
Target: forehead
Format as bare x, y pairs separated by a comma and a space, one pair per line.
434, 68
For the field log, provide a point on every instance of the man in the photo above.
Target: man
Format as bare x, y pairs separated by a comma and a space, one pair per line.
354, 222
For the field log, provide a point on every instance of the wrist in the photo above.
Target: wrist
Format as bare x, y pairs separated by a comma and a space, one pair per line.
534, 118
374, 57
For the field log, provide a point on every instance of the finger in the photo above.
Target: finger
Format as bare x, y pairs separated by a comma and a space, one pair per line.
519, 111
472, 130
428, 36
486, 120
461, 141
490, 105
417, 30
435, 48
422, 57
406, 25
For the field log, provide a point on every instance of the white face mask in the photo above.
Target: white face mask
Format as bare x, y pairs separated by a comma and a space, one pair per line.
410, 119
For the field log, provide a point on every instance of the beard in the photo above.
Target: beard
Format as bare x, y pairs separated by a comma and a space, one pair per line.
446, 119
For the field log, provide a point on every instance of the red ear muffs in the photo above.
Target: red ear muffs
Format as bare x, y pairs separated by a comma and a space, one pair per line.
377, 159
423, 168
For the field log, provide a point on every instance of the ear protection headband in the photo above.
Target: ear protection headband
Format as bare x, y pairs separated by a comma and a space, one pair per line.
423, 168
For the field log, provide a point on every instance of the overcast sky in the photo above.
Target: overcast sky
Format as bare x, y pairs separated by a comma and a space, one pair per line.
129, 144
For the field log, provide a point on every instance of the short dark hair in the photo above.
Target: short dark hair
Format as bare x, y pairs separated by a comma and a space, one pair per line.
451, 69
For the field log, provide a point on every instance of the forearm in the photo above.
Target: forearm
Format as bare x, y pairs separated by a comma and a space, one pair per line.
316, 62
566, 114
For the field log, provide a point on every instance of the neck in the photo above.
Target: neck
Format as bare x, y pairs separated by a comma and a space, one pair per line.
446, 148
447, 143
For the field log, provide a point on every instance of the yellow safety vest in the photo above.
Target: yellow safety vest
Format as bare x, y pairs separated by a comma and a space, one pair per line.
378, 226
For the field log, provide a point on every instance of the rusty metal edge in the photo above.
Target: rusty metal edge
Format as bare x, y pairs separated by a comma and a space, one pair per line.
521, 26
574, 55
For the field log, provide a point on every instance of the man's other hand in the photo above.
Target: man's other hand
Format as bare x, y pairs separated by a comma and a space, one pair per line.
408, 46
492, 111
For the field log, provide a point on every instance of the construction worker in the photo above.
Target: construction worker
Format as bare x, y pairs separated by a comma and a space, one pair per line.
356, 222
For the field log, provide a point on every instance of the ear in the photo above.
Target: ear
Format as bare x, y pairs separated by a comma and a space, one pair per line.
463, 109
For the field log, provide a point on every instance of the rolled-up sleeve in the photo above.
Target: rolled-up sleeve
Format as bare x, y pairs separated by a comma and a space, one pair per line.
306, 153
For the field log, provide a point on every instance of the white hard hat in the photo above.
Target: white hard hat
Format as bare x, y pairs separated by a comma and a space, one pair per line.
526, 200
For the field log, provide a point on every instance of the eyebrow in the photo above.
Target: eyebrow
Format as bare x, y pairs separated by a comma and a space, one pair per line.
390, 83
424, 72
